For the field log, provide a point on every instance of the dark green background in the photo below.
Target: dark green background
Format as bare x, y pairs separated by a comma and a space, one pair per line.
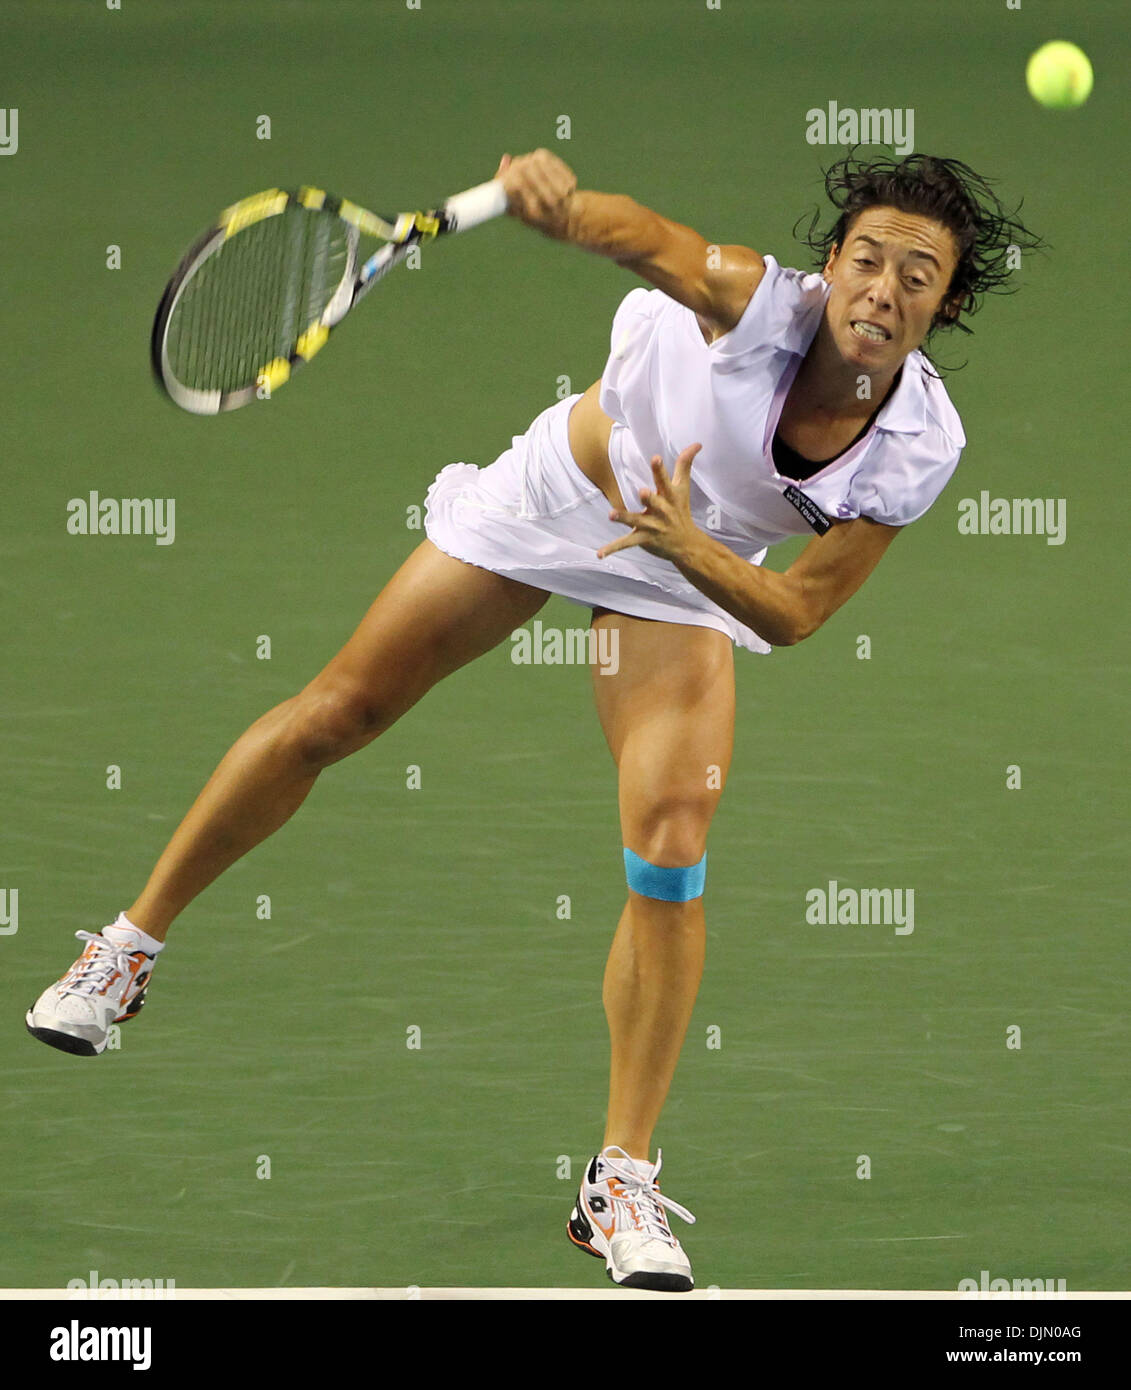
436, 907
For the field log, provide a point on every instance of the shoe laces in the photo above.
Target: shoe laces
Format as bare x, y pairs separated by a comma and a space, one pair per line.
95, 969
645, 1201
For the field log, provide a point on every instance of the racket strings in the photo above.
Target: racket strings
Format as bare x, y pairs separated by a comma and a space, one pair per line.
247, 303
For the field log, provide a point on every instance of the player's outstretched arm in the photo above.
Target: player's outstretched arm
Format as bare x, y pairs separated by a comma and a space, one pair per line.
715, 282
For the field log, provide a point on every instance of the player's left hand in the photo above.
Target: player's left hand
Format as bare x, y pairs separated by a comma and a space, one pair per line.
665, 526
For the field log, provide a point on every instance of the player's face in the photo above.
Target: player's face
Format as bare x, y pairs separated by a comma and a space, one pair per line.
888, 282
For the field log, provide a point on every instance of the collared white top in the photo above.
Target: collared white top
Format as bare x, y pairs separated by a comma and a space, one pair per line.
665, 387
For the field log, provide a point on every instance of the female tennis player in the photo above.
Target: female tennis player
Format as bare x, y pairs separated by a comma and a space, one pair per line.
742, 403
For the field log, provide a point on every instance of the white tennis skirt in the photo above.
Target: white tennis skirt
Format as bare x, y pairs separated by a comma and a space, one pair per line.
532, 515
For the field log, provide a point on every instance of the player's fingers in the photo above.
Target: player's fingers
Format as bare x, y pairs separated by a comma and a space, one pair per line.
515, 206
562, 177
660, 474
682, 470
622, 544
515, 174
547, 191
550, 181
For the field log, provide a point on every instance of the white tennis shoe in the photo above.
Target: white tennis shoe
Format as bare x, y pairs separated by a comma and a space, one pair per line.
621, 1216
106, 985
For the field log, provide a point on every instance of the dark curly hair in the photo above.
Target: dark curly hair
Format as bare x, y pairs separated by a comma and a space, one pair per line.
950, 193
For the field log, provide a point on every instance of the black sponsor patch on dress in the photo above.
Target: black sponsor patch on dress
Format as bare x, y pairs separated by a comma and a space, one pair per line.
808, 509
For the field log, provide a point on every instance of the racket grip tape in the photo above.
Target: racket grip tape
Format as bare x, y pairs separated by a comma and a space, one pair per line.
475, 205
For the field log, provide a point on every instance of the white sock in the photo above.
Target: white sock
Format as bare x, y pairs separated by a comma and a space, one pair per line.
638, 1165
124, 933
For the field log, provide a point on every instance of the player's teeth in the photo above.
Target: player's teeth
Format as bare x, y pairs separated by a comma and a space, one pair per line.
865, 330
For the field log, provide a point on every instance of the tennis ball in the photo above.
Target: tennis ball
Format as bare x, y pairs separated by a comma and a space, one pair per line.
1059, 75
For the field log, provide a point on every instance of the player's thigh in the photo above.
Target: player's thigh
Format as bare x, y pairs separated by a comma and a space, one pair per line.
668, 716
433, 616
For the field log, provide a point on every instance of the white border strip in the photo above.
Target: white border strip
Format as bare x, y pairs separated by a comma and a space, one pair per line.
413, 1294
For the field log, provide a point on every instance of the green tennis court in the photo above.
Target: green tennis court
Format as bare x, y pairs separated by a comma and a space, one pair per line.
413, 1044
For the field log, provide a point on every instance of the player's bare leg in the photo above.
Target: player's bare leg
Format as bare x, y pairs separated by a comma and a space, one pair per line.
668, 716
435, 615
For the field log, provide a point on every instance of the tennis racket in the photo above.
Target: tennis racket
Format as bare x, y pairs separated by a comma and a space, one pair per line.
257, 294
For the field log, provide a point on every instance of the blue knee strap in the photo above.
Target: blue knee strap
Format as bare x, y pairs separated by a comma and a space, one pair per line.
669, 885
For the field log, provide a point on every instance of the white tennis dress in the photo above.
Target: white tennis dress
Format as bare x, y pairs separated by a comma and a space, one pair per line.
532, 515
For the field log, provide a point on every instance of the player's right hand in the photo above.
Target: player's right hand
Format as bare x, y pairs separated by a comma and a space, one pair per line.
539, 187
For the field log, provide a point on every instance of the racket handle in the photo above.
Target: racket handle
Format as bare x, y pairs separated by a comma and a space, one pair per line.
476, 205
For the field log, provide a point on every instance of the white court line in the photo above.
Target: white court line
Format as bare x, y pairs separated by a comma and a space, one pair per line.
404, 1295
